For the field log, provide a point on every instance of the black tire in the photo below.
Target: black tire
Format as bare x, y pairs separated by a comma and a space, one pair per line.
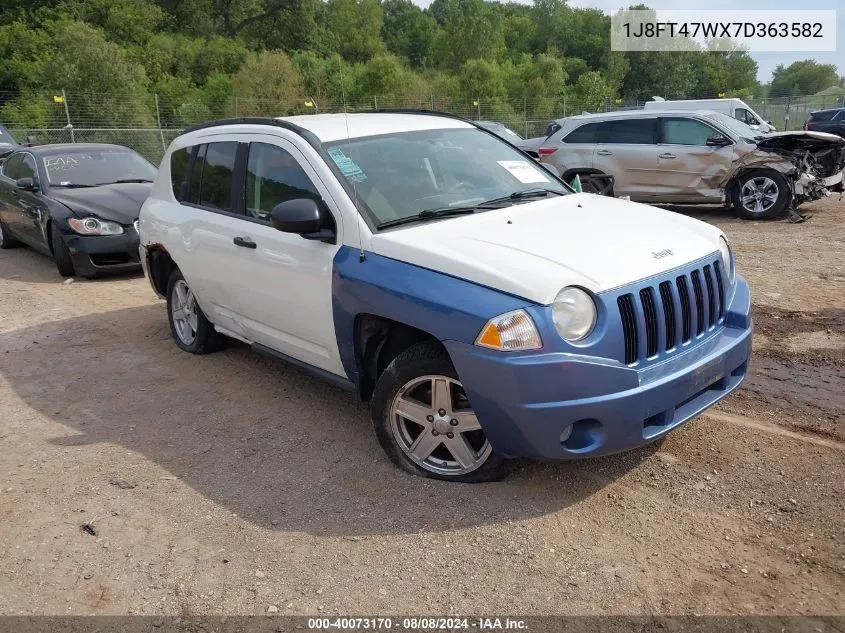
421, 359
771, 212
61, 253
6, 240
206, 339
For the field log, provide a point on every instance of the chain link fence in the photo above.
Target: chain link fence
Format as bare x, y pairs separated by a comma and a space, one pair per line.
148, 123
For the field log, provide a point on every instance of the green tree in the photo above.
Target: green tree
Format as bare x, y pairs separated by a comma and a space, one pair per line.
267, 84
355, 27
802, 78
591, 90
408, 31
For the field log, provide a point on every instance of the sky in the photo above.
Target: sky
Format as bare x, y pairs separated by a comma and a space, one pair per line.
765, 61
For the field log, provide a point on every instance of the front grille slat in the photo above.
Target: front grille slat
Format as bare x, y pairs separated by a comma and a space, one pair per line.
711, 296
717, 267
686, 309
661, 316
699, 307
651, 321
629, 327
668, 314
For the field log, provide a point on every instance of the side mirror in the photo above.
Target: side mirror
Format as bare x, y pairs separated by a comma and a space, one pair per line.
770, 123
718, 140
26, 184
303, 216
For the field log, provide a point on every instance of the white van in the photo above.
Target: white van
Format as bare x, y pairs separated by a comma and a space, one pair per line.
736, 108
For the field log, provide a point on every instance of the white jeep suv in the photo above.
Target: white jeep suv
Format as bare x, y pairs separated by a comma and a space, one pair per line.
433, 268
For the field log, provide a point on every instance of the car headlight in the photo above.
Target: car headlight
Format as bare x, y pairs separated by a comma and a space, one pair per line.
574, 313
94, 226
510, 332
727, 258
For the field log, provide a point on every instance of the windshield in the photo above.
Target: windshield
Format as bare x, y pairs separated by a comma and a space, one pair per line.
91, 167
6, 138
738, 129
400, 175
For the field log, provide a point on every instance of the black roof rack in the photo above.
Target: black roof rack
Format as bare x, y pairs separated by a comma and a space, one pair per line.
245, 121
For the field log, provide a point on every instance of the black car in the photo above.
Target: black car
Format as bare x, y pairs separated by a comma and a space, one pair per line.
830, 121
77, 203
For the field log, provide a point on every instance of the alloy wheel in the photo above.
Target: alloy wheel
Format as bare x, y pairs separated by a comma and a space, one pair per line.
434, 425
184, 312
759, 194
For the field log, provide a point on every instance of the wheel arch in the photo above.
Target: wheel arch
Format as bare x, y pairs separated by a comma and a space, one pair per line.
160, 266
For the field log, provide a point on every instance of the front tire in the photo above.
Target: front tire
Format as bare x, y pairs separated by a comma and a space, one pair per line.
424, 422
61, 253
760, 194
6, 240
190, 328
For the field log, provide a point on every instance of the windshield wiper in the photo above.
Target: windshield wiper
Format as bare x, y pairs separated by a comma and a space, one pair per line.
428, 214
536, 192
126, 180
73, 185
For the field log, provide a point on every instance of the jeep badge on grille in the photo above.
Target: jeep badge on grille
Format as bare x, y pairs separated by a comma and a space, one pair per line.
663, 253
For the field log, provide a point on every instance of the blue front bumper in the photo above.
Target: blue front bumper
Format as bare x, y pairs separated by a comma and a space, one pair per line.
564, 406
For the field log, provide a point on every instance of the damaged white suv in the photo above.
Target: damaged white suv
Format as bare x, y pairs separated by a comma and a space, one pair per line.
427, 265
702, 157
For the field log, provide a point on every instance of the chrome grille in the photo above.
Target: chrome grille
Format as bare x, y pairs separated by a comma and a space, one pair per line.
659, 318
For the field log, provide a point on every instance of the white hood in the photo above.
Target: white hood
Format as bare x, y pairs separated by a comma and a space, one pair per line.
532, 250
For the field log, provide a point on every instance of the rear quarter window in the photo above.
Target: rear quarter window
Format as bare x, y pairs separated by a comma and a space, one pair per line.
179, 161
587, 133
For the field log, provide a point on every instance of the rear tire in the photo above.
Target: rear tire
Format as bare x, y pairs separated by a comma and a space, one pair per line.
61, 253
439, 435
190, 328
760, 194
6, 240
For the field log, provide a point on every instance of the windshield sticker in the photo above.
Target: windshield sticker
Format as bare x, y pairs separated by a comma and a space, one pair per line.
523, 171
60, 163
347, 166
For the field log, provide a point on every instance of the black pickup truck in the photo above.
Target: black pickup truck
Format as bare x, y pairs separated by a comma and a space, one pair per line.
830, 121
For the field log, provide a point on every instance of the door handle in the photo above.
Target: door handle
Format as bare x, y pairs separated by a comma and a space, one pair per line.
604, 152
245, 242
666, 156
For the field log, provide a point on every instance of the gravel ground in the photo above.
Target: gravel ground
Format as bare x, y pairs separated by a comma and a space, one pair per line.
233, 484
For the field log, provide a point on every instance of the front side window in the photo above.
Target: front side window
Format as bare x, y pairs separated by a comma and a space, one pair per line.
95, 166
28, 168
746, 117
631, 132
12, 167
686, 132
402, 174
274, 176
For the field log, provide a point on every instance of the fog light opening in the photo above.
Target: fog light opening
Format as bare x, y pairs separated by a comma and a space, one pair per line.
567, 433
583, 436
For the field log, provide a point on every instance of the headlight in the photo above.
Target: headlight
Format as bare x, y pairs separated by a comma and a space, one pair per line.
573, 313
94, 226
510, 332
727, 258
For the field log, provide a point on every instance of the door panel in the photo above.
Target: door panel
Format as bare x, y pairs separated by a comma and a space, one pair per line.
285, 292
627, 150
687, 169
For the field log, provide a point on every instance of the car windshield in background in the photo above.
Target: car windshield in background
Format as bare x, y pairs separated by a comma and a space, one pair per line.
93, 167
401, 175
6, 138
737, 129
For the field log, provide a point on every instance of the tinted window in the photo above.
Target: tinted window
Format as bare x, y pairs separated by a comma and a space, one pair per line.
28, 168
12, 167
633, 131
686, 132
217, 170
585, 134
273, 176
179, 172
746, 117
826, 115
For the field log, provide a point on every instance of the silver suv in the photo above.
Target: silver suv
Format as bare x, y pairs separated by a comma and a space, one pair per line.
698, 157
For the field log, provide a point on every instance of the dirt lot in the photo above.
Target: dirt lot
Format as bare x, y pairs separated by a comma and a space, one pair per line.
257, 486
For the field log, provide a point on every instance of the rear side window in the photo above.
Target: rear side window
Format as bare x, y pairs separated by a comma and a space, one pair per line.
217, 174
179, 161
630, 131
828, 115
585, 134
